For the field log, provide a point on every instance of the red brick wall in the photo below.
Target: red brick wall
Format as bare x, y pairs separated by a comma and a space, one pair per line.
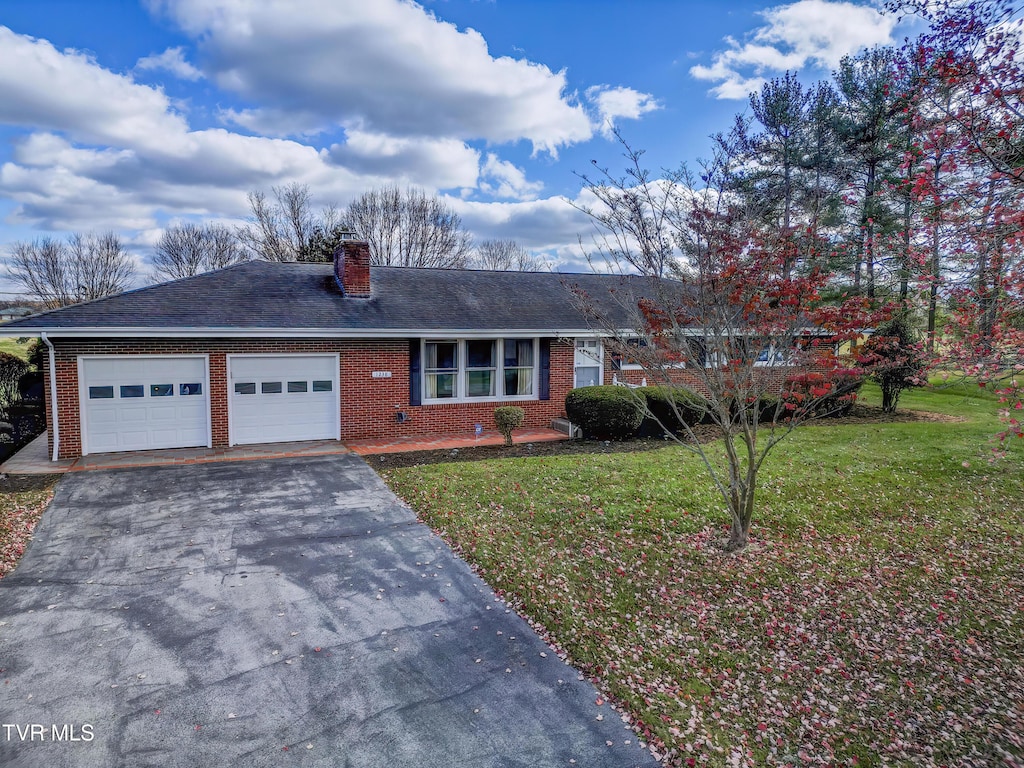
773, 376
368, 405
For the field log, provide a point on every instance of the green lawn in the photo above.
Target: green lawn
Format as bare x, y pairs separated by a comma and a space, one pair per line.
10, 344
877, 620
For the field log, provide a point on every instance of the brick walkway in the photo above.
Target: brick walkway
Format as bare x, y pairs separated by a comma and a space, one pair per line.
34, 460
441, 442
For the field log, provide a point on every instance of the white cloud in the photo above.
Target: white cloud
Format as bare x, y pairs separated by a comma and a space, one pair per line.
502, 179
41, 87
141, 158
545, 224
815, 33
70, 202
96, 150
430, 163
172, 60
385, 67
613, 103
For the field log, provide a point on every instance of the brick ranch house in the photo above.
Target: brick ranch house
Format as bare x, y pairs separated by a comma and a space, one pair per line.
264, 352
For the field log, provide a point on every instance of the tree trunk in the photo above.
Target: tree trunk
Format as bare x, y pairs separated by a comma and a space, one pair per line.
867, 222
743, 485
905, 256
933, 291
739, 535
934, 265
888, 404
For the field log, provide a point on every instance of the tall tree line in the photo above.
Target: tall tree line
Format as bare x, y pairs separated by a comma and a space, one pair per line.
895, 170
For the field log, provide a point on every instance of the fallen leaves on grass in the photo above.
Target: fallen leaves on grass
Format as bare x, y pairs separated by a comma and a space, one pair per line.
19, 513
897, 639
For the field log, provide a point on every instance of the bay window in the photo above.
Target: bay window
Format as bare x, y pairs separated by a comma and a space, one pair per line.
471, 369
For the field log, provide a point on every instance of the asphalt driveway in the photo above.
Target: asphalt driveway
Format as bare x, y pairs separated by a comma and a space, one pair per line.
285, 612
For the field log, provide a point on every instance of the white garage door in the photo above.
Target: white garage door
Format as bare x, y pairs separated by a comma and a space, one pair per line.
281, 398
140, 403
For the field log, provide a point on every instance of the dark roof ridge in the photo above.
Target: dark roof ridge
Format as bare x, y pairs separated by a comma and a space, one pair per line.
141, 288
297, 296
552, 272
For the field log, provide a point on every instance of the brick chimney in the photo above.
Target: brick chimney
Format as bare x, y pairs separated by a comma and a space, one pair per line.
352, 268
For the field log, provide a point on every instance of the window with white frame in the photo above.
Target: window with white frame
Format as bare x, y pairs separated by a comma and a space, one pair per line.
587, 362
471, 369
518, 365
481, 366
771, 355
630, 360
441, 369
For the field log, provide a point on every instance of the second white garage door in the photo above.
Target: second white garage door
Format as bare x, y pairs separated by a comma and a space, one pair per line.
282, 398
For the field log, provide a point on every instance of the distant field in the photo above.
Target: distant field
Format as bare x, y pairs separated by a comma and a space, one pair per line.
10, 345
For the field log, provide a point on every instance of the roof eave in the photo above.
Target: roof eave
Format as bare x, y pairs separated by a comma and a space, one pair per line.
94, 332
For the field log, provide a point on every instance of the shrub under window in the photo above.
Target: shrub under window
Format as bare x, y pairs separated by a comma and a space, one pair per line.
605, 412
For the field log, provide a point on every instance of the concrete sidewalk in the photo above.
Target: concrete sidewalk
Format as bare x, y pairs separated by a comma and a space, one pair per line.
285, 612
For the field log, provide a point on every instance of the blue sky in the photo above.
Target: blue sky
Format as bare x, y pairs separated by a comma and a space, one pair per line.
133, 116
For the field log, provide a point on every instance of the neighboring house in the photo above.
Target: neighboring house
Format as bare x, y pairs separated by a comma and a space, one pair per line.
14, 313
267, 352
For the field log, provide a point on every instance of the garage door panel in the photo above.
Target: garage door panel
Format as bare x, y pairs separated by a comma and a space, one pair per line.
104, 416
132, 440
104, 443
164, 413
165, 435
134, 415
272, 398
145, 410
191, 411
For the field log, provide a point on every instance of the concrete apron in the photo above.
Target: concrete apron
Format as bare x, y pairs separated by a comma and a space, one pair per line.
287, 612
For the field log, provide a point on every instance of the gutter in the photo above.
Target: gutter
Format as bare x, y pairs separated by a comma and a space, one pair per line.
137, 332
53, 394
140, 332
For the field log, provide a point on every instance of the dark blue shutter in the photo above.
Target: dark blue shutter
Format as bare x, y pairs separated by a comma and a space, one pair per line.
545, 370
415, 377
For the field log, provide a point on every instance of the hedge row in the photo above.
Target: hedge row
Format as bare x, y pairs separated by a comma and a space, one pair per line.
605, 412
618, 413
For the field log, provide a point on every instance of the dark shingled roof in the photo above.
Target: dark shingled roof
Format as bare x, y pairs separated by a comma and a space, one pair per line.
301, 296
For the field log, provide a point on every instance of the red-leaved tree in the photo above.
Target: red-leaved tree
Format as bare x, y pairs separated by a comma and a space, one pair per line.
975, 79
721, 316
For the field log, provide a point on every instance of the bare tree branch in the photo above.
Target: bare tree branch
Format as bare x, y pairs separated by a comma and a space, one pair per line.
506, 255
88, 266
189, 249
410, 229
286, 229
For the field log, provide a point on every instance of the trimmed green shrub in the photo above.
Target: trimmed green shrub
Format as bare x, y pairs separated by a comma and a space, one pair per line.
38, 353
605, 412
27, 420
662, 415
11, 370
30, 385
507, 418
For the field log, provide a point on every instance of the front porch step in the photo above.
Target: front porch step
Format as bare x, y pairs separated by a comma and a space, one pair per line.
566, 427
